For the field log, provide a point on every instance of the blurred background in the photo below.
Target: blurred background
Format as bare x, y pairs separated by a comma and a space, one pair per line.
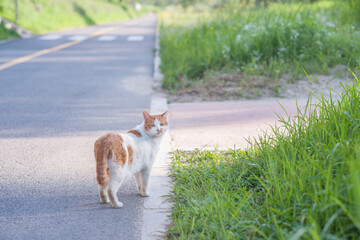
218, 44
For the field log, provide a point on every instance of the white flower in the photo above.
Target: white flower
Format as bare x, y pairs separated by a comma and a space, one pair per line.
330, 24
295, 35
225, 51
247, 27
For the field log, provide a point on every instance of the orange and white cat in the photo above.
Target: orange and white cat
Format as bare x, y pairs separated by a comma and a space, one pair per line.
127, 154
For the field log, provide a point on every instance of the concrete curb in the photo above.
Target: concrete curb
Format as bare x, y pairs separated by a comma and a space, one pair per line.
156, 207
157, 75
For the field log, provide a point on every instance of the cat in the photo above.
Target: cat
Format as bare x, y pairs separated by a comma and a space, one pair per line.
127, 154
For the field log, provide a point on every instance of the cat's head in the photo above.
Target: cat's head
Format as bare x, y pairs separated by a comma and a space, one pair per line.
155, 125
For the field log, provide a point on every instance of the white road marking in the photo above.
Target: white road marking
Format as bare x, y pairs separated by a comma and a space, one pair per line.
50, 37
135, 38
106, 38
78, 37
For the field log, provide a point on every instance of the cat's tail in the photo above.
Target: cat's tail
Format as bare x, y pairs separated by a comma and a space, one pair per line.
102, 169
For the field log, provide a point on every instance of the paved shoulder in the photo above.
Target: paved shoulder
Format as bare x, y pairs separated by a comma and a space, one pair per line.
224, 124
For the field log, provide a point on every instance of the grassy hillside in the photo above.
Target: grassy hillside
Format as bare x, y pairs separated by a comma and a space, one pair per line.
6, 33
40, 16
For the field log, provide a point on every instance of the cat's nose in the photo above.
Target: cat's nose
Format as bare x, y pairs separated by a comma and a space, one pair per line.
159, 130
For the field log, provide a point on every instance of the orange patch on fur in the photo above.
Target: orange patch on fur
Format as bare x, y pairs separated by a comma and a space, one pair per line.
162, 118
120, 153
148, 123
135, 132
102, 175
131, 153
108, 146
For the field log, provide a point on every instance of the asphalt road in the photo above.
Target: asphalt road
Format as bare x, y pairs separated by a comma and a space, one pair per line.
52, 109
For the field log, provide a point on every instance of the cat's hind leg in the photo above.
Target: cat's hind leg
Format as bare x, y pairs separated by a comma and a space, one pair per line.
116, 179
104, 198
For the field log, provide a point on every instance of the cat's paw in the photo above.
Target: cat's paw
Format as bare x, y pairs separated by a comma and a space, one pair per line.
117, 205
104, 200
145, 194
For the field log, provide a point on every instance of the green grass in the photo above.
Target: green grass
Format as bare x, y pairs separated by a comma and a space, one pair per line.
40, 16
301, 181
7, 33
282, 38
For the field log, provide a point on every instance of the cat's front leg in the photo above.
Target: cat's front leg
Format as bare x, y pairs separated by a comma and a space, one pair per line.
139, 182
145, 174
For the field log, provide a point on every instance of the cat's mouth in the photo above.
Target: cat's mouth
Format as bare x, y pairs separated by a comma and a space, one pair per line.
160, 133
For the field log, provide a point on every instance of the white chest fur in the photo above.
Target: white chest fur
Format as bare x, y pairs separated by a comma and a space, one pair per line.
145, 149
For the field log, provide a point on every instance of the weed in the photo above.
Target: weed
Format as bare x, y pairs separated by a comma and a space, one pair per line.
7, 33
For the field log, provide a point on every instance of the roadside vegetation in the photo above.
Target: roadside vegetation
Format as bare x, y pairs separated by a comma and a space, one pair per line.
299, 181
6, 33
40, 16
259, 46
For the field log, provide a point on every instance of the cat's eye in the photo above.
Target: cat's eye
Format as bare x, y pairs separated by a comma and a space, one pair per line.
152, 125
161, 124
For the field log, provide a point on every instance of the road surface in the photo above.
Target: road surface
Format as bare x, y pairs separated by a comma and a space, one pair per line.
53, 106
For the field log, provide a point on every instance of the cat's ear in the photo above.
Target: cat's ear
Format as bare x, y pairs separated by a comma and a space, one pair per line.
146, 115
165, 114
